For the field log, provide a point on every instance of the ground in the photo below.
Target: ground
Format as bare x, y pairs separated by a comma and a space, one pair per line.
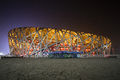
60, 69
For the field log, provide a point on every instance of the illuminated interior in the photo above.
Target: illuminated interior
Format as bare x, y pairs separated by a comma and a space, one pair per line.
35, 41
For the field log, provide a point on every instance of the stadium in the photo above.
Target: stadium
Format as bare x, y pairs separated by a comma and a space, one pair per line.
55, 42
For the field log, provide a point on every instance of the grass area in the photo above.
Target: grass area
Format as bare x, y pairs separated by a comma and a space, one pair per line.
60, 69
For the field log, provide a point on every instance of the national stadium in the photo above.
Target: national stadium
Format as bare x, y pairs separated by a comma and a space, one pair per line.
55, 42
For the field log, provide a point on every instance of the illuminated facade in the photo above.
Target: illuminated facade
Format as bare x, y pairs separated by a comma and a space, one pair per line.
42, 42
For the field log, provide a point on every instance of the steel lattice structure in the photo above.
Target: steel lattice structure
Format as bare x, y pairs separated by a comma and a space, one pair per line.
35, 41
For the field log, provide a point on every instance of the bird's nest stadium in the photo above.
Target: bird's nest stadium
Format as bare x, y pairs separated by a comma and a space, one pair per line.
53, 42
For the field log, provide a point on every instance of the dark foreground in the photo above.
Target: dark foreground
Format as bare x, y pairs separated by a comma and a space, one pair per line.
60, 69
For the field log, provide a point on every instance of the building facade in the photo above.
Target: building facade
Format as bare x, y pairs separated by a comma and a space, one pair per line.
44, 42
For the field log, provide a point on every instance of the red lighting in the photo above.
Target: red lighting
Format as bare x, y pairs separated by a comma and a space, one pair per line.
31, 49
93, 53
78, 45
29, 41
67, 49
62, 49
61, 44
87, 50
78, 49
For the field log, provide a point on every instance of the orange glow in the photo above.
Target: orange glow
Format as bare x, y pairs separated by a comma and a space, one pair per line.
87, 50
28, 47
65, 44
61, 44
78, 45
24, 39
37, 49
78, 49
29, 52
73, 44
62, 49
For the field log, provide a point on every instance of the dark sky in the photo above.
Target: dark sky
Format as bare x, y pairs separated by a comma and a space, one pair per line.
95, 17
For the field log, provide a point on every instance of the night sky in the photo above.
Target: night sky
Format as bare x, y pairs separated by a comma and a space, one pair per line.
95, 17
